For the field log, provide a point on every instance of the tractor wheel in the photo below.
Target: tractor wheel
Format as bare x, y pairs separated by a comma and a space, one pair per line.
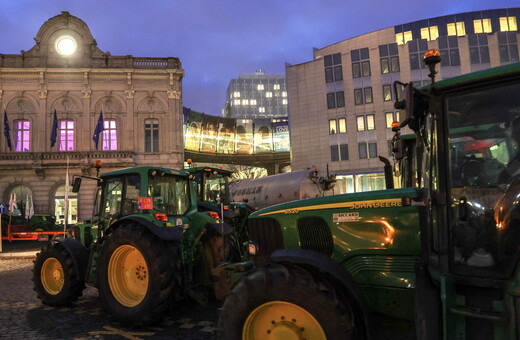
55, 276
136, 275
285, 302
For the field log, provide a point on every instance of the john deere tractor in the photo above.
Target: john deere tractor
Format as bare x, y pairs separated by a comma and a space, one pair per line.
443, 250
146, 247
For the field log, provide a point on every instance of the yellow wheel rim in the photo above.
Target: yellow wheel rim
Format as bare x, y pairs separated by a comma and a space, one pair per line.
52, 276
128, 276
281, 320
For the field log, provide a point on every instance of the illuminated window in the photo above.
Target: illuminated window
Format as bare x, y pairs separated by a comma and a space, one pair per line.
508, 24
387, 93
403, 38
151, 135
109, 135
276, 86
67, 135
342, 125
391, 116
284, 101
371, 125
456, 28
360, 123
284, 94
236, 102
482, 25
261, 109
333, 128
236, 94
430, 33
245, 102
260, 87
269, 95
22, 135
389, 58
252, 101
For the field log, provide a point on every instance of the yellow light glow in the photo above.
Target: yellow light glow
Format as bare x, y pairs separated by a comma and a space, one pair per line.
66, 45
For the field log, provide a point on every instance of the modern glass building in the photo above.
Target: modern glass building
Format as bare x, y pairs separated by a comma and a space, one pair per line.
256, 95
341, 102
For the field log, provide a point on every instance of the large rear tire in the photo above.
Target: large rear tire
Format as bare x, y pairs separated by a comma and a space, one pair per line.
55, 276
285, 302
136, 275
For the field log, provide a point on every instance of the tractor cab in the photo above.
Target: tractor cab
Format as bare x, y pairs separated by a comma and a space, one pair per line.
468, 168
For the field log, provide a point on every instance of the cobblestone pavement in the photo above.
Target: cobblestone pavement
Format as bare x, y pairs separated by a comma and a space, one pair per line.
23, 316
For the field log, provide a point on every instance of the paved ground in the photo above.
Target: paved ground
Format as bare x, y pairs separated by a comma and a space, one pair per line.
22, 316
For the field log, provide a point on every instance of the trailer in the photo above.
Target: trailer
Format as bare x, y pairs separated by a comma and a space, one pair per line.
40, 227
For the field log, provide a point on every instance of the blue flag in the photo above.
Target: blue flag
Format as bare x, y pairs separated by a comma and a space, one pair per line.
99, 128
54, 130
7, 132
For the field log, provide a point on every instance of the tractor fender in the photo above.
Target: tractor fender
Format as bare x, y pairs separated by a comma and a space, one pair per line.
164, 233
323, 263
218, 227
78, 253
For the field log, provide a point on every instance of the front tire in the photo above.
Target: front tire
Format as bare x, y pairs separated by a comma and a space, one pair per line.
55, 276
285, 302
136, 275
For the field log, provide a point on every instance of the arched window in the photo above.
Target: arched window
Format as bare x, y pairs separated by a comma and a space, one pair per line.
21, 208
59, 206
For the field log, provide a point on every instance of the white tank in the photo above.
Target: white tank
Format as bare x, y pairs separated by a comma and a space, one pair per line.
290, 186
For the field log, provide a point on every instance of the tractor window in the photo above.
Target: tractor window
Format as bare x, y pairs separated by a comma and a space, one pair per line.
170, 194
484, 161
133, 184
112, 199
215, 188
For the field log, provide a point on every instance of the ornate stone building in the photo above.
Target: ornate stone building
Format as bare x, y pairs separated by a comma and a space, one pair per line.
65, 72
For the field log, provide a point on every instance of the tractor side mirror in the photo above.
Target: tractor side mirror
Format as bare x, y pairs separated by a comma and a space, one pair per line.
404, 101
76, 185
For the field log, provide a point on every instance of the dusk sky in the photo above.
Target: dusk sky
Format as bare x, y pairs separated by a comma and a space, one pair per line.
217, 40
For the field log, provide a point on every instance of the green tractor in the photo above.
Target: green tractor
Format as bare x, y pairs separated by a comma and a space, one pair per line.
147, 247
441, 252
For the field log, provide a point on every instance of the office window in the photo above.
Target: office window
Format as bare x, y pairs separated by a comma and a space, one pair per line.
360, 123
389, 58
284, 102
362, 149
449, 48
507, 47
260, 87
371, 125
360, 63
343, 152
333, 128
430, 33
372, 150
245, 102
482, 26
366, 122
276, 86
109, 135
403, 38
67, 132
261, 109
236, 94
253, 102
335, 99
456, 29
342, 125
269, 94
334, 153
417, 48
358, 96
151, 135
333, 68
22, 135
478, 48
387, 93
508, 24
390, 117
368, 95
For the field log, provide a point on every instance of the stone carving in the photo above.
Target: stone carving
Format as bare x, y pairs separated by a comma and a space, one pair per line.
173, 92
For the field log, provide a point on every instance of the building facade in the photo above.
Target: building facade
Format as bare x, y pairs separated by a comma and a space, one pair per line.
341, 102
256, 95
65, 75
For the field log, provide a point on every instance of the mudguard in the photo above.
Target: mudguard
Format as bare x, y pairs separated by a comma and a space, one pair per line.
323, 263
78, 253
164, 233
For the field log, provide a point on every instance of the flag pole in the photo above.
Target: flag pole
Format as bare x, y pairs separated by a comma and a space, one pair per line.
66, 199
